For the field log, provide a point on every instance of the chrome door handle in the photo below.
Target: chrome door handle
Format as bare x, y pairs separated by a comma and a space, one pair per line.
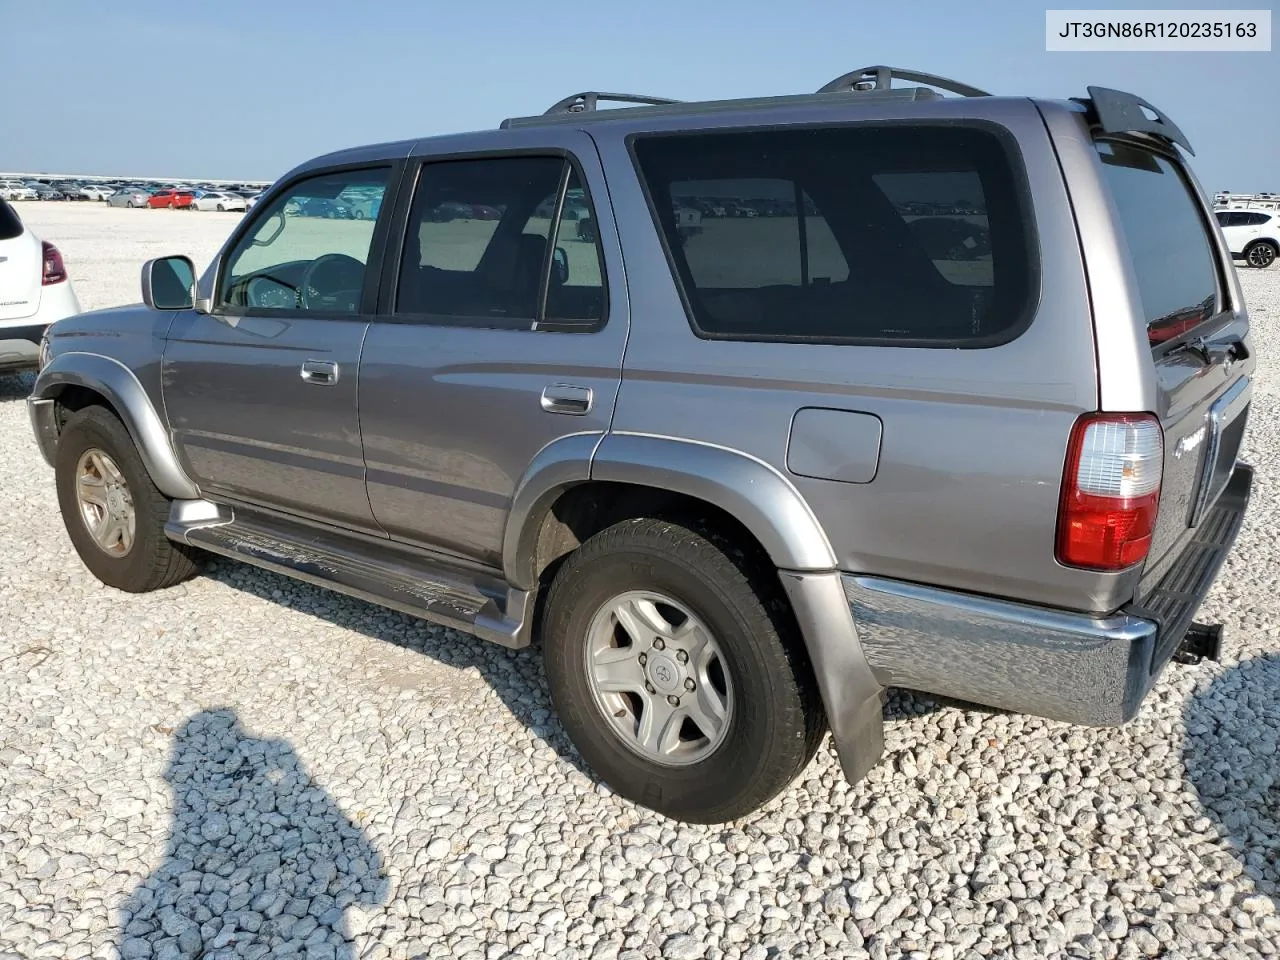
320, 371
567, 398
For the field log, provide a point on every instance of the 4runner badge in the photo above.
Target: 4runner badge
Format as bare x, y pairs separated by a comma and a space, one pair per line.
1189, 443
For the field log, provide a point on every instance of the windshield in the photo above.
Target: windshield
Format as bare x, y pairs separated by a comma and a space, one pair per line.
1167, 238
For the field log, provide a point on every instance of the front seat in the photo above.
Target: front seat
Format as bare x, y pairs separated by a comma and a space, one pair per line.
526, 280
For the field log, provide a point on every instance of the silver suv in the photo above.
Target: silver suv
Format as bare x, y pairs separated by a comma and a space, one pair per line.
945, 393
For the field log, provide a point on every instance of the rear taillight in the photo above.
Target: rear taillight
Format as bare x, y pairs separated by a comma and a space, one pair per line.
1110, 491
54, 271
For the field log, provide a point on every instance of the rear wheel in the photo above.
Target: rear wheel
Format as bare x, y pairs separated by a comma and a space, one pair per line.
1260, 254
677, 670
112, 511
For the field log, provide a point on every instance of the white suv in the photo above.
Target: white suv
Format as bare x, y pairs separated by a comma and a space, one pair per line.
1252, 235
34, 292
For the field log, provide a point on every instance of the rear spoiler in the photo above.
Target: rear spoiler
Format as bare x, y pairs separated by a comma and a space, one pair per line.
1115, 111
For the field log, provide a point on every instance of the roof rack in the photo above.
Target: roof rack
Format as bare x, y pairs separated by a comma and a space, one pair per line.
881, 78
587, 100
1115, 111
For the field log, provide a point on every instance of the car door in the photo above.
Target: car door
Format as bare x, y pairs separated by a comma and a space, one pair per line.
261, 391
500, 334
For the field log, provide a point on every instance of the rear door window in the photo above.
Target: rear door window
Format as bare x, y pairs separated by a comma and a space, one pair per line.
10, 225
485, 246
910, 235
1167, 240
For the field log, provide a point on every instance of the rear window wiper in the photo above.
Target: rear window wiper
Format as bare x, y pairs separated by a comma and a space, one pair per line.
1221, 350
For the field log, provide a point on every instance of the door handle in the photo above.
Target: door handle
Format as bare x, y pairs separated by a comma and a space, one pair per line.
320, 371
567, 398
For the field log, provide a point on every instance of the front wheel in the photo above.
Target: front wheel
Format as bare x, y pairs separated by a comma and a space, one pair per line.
112, 511
1261, 254
677, 670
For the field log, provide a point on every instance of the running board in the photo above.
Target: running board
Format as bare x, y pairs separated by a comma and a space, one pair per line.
444, 593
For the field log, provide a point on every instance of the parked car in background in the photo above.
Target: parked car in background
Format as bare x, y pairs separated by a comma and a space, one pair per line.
16, 190
94, 191
46, 192
173, 199
129, 197
35, 291
320, 207
214, 200
69, 189
1252, 235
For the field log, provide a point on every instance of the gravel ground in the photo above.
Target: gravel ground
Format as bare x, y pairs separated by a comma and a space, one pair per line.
244, 766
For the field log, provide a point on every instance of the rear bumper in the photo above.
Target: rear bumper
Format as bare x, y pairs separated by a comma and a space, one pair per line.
20, 347
1093, 670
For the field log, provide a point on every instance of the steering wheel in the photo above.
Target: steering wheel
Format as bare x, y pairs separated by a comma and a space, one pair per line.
330, 276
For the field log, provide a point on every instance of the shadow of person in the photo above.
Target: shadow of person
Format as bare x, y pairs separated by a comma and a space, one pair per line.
260, 859
1232, 759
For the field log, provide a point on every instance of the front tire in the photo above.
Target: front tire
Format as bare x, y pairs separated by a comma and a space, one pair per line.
1260, 254
112, 511
677, 670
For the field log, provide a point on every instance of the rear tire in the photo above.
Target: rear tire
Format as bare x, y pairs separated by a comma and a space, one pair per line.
97, 460
740, 723
1260, 254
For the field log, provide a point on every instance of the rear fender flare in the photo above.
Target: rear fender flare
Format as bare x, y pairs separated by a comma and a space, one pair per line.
772, 510
754, 492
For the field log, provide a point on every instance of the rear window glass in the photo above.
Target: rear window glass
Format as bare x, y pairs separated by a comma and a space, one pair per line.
915, 235
10, 225
1167, 240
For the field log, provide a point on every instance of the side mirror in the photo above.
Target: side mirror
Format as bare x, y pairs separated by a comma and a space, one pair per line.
559, 267
168, 283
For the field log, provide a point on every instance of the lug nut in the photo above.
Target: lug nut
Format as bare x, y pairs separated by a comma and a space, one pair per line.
674, 701
657, 643
690, 685
649, 686
682, 656
643, 659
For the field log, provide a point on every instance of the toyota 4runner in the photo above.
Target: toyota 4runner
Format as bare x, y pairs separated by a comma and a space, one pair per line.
946, 393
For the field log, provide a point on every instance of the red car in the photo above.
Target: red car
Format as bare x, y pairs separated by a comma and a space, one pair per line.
171, 198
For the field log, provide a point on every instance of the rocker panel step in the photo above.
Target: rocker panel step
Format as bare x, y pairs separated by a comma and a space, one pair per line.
451, 596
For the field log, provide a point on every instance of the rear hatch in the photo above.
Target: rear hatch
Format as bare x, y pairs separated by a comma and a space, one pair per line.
1196, 334
20, 267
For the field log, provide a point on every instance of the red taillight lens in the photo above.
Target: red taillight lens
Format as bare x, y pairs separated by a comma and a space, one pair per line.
1110, 491
54, 271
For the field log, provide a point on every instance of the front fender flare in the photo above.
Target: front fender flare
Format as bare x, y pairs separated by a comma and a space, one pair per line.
119, 387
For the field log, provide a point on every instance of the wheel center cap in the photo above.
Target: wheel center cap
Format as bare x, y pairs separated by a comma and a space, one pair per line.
664, 673
115, 502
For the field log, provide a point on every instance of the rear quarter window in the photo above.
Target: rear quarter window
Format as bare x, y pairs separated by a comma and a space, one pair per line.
895, 234
1167, 238
10, 225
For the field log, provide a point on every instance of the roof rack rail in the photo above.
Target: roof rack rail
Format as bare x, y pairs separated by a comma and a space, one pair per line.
1118, 112
881, 78
588, 100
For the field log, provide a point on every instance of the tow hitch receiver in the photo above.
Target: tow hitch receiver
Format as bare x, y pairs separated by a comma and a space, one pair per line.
1203, 641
